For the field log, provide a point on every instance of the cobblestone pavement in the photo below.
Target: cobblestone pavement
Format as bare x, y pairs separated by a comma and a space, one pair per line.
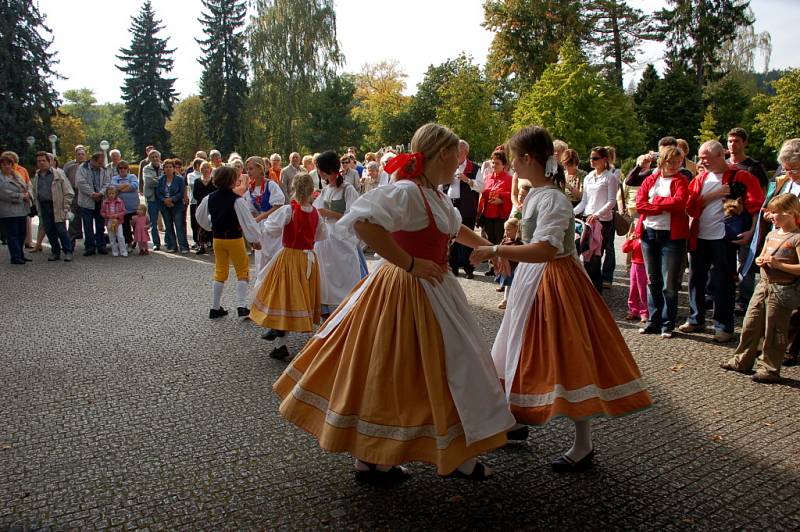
122, 406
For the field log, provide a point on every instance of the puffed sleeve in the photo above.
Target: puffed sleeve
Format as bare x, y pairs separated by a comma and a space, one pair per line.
384, 206
274, 225
553, 213
276, 196
350, 196
201, 215
246, 221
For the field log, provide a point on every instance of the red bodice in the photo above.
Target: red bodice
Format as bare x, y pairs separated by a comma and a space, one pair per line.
300, 232
428, 243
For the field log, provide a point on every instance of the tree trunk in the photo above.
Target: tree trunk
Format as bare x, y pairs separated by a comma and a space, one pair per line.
614, 18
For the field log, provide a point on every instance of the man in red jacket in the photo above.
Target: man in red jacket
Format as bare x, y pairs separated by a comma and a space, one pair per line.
709, 249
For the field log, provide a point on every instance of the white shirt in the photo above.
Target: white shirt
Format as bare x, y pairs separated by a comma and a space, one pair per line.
191, 177
454, 192
248, 224
384, 179
794, 188
712, 219
599, 195
661, 189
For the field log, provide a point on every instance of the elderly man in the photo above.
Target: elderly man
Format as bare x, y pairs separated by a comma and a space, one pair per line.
151, 173
71, 170
709, 249
201, 155
52, 195
116, 157
464, 191
144, 161
92, 180
288, 173
216, 159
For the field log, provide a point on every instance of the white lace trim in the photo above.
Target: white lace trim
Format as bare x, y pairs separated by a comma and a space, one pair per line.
373, 430
576, 396
281, 312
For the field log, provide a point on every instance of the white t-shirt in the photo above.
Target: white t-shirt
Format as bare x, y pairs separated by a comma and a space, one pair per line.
712, 219
660, 188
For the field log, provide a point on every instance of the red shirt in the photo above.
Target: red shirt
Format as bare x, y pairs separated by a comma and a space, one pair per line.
634, 246
496, 186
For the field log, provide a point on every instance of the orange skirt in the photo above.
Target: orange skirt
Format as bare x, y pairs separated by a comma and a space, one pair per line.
288, 300
574, 361
376, 386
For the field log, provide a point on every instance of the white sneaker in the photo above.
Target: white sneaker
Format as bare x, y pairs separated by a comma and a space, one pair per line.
666, 334
124, 253
115, 253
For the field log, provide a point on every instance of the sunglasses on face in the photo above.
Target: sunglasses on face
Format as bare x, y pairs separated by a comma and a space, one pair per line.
595, 158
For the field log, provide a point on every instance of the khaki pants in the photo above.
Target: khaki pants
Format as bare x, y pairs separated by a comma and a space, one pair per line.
768, 318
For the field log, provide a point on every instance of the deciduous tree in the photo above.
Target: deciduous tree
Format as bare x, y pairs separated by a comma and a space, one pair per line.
185, 134
781, 120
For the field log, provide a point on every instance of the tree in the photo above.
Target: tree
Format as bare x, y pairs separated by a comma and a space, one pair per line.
70, 132
329, 124
185, 134
380, 100
528, 36
148, 94
576, 104
781, 120
100, 121
293, 50
708, 128
223, 84
739, 54
617, 30
730, 101
28, 98
466, 108
696, 30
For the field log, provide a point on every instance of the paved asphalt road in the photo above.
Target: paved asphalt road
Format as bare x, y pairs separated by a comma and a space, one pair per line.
122, 406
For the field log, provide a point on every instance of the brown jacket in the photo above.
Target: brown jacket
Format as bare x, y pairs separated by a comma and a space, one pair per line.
61, 190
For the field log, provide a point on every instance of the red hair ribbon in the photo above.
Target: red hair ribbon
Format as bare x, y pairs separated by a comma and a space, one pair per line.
407, 165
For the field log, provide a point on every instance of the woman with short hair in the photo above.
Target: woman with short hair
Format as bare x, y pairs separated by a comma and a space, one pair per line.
15, 205
494, 206
574, 176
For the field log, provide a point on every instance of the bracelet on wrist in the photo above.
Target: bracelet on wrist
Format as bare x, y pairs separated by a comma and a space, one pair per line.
495, 249
411, 267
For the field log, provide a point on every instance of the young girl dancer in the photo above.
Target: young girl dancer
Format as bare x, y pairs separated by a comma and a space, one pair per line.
227, 216
558, 350
338, 255
288, 297
400, 372
141, 226
264, 196
113, 211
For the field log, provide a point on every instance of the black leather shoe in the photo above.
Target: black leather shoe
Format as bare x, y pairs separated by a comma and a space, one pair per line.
469, 275
26, 259
53, 258
217, 313
88, 253
520, 434
270, 335
563, 464
242, 312
279, 353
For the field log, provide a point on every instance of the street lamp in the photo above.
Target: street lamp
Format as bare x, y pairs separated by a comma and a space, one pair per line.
53, 139
31, 141
104, 145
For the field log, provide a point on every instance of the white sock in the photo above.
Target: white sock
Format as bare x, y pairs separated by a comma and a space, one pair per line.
217, 288
241, 293
583, 440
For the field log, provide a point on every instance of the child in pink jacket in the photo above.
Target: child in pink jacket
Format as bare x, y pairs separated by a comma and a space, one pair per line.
113, 212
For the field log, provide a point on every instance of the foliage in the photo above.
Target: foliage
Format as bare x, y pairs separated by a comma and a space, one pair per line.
329, 124
147, 92
781, 120
70, 132
695, 31
466, 108
380, 100
26, 85
293, 50
100, 122
223, 84
185, 128
708, 128
730, 100
576, 104
739, 54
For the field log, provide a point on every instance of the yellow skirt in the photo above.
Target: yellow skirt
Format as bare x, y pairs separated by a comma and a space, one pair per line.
288, 300
376, 386
574, 361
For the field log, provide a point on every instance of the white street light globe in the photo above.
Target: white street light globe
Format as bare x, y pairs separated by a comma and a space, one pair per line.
52, 139
104, 145
31, 141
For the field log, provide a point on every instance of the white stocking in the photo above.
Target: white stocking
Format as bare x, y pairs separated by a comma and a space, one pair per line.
583, 440
241, 293
216, 289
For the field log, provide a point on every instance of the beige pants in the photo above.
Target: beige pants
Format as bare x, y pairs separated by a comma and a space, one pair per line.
766, 318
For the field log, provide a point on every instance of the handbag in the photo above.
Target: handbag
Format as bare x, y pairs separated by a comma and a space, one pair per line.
33, 212
622, 221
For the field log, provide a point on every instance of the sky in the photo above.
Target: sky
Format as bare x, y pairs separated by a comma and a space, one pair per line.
417, 33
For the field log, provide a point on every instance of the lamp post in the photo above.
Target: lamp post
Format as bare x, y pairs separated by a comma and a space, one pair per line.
104, 145
53, 139
31, 141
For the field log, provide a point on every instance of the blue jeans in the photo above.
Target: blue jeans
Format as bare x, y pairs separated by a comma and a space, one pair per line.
94, 229
175, 223
15, 228
663, 259
719, 258
609, 251
748, 283
152, 211
56, 232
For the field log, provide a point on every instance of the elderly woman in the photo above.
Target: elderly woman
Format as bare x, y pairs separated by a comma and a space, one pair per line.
371, 177
308, 163
127, 186
15, 204
663, 228
494, 205
574, 176
169, 194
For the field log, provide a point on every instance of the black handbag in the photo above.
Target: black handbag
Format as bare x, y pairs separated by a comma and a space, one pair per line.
33, 212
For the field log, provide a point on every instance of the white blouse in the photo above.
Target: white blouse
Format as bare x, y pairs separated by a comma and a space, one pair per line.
279, 219
549, 211
599, 195
276, 196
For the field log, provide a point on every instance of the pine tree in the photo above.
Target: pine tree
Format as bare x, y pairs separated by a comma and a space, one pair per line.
27, 96
149, 96
223, 84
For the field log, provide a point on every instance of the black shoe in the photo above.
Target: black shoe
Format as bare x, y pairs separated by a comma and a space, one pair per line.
18, 262
469, 275
200, 251
102, 251
649, 330
395, 475
88, 253
279, 353
242, 312
489, 273
270, 335
790, 360
26, 259
563, 464
520, 434
53, 258
156, 248
217, 313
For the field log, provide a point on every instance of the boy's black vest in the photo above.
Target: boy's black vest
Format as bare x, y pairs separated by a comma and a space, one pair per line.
224, 222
